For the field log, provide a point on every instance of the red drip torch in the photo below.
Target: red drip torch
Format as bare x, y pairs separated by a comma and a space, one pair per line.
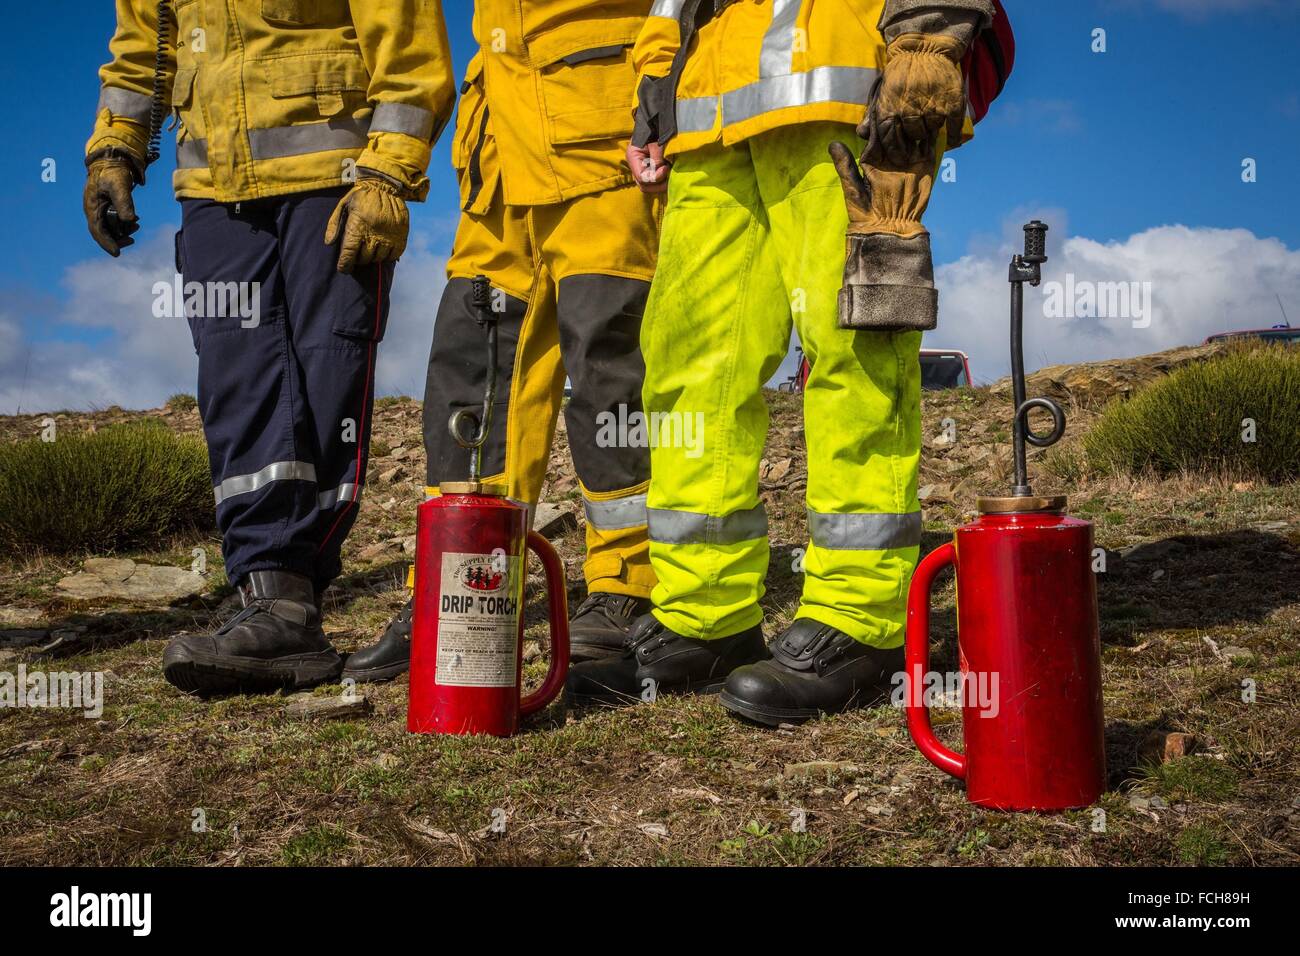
467, 627
1028, 643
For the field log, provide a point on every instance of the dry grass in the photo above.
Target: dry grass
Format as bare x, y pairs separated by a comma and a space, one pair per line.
678, 781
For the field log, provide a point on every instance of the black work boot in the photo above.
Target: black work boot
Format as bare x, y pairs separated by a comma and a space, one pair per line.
274, 643
387, 658
815, 669
599, 627
658, 661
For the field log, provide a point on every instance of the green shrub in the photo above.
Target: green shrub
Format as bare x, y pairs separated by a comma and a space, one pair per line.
125, 486
1192, 421
182, 402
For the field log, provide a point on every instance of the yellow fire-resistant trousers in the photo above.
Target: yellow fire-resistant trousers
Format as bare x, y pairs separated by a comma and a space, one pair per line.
753, 239
571, 281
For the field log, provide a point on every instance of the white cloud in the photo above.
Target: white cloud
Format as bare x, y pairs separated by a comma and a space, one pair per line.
137, 360
1202, 281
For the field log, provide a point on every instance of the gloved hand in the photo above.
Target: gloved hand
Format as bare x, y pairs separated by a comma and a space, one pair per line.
919, 94
110, 176
373, 220
888, 271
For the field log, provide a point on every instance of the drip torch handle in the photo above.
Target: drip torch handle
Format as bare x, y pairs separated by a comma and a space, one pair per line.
481, 298
1027, 267
917, 657
559, 620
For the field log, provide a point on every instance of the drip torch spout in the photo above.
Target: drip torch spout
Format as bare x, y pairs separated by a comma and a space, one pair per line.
468, 429
1027, 267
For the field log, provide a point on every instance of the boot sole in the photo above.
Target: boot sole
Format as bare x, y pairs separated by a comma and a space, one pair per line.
376, 675
208, 674
775, 716
616, 699
768, 716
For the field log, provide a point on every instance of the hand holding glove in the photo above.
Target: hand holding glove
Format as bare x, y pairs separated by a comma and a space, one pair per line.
919, 94
888, 271
373, 220
111, 174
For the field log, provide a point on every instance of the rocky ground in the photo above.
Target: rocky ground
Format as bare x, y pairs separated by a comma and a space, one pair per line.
1200, 615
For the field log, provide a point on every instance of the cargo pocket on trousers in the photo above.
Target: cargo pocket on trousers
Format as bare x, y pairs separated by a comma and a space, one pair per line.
364, 317
179, 261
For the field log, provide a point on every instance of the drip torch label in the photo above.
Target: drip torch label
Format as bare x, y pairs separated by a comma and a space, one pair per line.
478, 620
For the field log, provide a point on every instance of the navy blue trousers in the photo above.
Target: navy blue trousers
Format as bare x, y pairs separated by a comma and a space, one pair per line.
286, 348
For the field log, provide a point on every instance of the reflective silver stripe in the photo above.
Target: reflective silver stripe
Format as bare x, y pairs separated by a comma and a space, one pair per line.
617, 513
403, 118
126, 103
697, 114
280, 141
348, 491
192, 154
776, 56
667, 8
277, 471
689, 527
825, 84
864, 532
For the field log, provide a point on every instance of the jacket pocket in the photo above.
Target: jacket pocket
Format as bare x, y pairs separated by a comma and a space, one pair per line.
333, 80
185, 108
587, 80
304, 13
469, 114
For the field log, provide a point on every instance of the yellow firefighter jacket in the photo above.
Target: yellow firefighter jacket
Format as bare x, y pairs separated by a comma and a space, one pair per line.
282, 96
761, 64
546, 106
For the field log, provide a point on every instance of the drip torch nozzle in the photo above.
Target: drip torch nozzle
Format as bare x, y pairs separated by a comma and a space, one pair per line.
1026, 267
479, 425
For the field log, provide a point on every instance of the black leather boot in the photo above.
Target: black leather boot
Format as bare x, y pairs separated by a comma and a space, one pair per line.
658, 661
815, 669
599, 627
387, 658
274, 643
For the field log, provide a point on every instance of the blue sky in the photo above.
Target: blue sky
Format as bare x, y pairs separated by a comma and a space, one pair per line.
1134, 155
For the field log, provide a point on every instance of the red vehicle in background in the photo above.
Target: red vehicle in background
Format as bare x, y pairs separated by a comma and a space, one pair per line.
940, 369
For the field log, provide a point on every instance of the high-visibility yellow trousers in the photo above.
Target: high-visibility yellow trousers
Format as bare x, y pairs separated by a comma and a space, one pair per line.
753, 241
569, 283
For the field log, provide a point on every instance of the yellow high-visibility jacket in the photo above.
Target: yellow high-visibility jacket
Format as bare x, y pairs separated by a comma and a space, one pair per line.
762, 64
282, 96
546, 106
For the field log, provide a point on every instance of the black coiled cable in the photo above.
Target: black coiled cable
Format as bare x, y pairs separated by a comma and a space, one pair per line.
158, 108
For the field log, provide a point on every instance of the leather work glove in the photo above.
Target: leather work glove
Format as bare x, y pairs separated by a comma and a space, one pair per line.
111, 174
888, 271
373, 219
919, 94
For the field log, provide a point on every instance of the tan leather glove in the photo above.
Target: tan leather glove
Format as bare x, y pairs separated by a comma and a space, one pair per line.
111, 174
919, 94
888, 270
373, 220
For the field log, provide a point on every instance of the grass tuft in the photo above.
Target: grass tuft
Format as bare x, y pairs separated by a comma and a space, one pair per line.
1234, 415
125, 486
